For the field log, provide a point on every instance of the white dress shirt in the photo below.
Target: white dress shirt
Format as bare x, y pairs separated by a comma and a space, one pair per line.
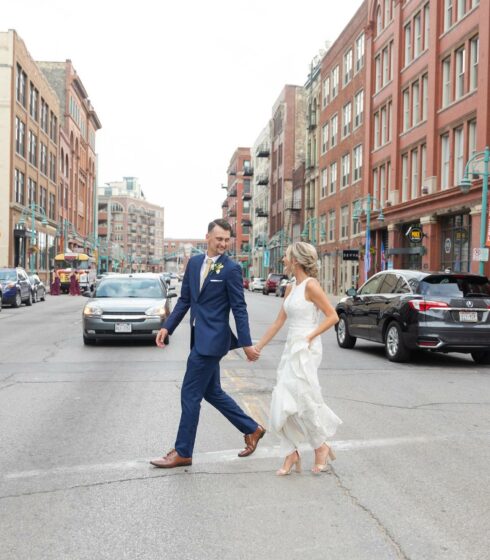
204, 263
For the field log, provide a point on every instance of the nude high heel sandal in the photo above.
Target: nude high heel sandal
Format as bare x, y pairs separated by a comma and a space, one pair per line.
296, 464
319, 468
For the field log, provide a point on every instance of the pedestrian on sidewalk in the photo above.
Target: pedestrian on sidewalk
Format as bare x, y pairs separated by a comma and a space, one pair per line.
55, 288
74, 284
212, 285
298, 412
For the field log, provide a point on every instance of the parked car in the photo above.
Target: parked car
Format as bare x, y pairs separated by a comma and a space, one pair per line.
38, 288
272, 282
281, 288
16, 288
408, 310
246, 283
126, 306
256, 285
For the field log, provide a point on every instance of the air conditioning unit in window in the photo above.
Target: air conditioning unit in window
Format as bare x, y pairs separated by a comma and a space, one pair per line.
392, 198
429, 185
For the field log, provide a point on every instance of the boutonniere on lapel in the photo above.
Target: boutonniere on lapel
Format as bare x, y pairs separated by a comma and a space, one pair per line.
216, 268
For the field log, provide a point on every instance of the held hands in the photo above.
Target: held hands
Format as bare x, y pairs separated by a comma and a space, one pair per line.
160, 339
252, 353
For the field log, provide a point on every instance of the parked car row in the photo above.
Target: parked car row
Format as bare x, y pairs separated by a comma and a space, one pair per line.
274, 284
18, 287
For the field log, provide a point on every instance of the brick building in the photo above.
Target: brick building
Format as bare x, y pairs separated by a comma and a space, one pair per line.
29, 121
178, 252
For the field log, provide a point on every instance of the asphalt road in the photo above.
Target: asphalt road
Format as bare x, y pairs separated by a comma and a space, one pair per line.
79, 424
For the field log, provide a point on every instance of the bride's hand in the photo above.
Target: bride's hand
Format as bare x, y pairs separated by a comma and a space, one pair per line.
309, 339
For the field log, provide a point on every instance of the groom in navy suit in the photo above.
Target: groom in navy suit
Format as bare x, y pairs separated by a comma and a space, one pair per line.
212, 285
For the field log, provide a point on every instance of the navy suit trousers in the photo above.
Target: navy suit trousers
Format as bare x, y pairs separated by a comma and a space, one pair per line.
202, 381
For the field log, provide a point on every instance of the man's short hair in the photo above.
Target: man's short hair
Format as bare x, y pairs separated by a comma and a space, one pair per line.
220, 223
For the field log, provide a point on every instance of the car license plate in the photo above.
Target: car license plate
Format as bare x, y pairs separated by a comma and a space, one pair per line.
468, 316
123, 327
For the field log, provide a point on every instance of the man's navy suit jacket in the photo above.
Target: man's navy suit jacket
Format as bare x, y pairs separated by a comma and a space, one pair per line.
210, 307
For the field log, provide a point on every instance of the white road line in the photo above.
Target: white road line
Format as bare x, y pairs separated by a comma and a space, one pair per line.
231, 455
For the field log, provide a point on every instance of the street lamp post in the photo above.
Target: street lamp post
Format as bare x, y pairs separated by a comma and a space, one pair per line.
311, 225
359, 208
32, 209
473, 167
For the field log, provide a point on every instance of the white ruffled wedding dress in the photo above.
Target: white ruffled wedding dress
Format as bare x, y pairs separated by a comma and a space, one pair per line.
298, 412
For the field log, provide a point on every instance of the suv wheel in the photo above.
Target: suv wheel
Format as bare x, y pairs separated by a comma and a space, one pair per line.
29, 299
344, 339
481, 357
395, 348
18, 300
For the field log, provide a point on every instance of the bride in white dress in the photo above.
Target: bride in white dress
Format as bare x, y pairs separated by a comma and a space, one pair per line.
298, 412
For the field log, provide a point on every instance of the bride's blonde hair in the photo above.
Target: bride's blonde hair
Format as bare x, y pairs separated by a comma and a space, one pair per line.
305, 255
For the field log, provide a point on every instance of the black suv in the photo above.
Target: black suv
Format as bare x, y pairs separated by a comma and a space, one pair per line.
15, 286
409, 310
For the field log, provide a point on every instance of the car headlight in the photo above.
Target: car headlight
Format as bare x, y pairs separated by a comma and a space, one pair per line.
157, 310
92, 311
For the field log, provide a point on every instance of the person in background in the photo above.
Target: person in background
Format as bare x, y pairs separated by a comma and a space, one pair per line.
55, 288
74, 285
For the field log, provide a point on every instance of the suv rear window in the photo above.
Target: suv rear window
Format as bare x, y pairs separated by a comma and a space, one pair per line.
455, 286
276, 277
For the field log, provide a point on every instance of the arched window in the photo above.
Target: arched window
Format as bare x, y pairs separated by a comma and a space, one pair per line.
67, 169
379, 20
62, 162
116, 207
388, 14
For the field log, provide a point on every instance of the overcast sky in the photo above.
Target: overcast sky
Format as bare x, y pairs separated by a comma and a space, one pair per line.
179, 85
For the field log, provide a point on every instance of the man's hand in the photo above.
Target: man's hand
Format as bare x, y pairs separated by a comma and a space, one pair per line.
252, 353
160, 339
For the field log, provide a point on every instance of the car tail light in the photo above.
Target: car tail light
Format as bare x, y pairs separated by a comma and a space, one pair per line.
426, 305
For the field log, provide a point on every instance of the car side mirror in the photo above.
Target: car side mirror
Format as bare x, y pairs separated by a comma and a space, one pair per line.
171, 294
351, 292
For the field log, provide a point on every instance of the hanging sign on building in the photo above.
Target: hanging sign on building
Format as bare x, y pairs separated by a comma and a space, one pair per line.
415, 234
350, 255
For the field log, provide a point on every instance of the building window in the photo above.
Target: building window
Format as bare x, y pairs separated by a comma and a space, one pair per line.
19, 187
471, 137
44, 115
379, 74
382, 186
32, 148
52, 167
404, 177
461, 8
324, 183
323, 228
387, 4
325, 135
331, 225
474, 50
53, 127
359, 52
358, 108
384, 127
406, 110
379, 21
386, 65
376, 130
326, 92
415, 174
345, 170
51, 206
333, 177
334, 123
32, 187
408, 44
426, 26
33, 102
356, 222
425, 96
448, 14
21, 84
375, 183
417, 30
357, 162
42, 198
20, 137
347, 118
446, 82
347, 67
43, 159
415, 103
445, 161
460, 72
335, 81
344, 222
458, 154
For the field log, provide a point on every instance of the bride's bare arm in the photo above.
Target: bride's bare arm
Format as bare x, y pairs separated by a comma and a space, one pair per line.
315, 293
271, 332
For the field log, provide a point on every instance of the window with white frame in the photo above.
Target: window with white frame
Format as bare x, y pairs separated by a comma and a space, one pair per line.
356, 222
408, 44
474, 53
423, 163
425, 96
20, 137
375, 183
386, 65
458, 154
323, 228
417, 31
461, 8
32, 148
460, 71
347, 119
334, 125
335, 81
359, 52
379, 73
331, 225
344, 222
382, 187
326, 92
426, 26
404, 177
333, 178
390, 119
471, 137
358, 108
384, 126
448, 14
406, 110
377, 137
348, 66
415, 103
325, 135
387, 6
445, 161
415, 175
357, 154
324, 183
446, 81
345, 170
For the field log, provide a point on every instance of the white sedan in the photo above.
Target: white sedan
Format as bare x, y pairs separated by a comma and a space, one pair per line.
256, 285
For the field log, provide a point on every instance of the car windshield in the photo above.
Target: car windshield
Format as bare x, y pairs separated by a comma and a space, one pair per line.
8, 276
454, 286
130, 288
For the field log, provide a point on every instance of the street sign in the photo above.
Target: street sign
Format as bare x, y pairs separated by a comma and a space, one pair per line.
480, 254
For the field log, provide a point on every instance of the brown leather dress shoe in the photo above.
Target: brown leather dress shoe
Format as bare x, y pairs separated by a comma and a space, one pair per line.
171, 460
251, 441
